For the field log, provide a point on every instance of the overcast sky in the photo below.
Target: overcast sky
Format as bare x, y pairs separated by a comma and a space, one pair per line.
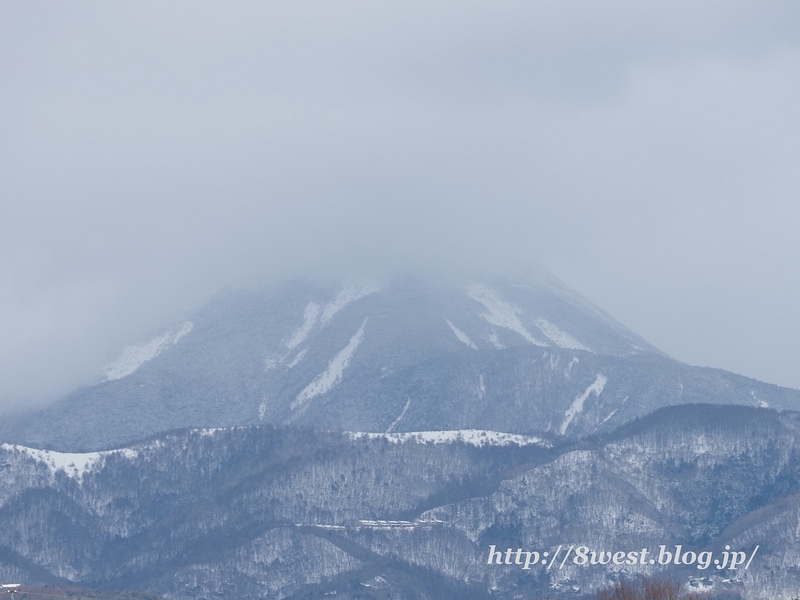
647, 153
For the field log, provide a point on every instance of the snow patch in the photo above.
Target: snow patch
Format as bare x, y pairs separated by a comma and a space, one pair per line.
262, 409
575, 360
331, 376
135, 356
210, 431
500, 312
315, 314
473, 437
495, 342
481, 388
400, 418
761, 403
297, 358
73, 464
310, 316
611, 414
561, 338
577, 405
348, 294
699, 585
462, 337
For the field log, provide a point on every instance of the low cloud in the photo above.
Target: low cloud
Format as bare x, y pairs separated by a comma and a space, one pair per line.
155, 153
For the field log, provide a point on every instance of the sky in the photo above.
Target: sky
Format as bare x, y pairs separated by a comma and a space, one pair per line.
153, 153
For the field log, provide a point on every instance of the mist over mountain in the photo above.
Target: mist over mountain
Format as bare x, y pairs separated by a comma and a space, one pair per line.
406, 354
390, 402
646, 153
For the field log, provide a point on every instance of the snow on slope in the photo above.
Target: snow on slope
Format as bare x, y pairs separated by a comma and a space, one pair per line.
135, 356
349, 294
331, 376
297, 359
474, 437
559, 337
74, 465
400, 418
577, 405
313, 315
309, 320
500, 312
462, 337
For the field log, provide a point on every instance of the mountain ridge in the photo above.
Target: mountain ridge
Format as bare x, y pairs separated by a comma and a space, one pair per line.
286, 511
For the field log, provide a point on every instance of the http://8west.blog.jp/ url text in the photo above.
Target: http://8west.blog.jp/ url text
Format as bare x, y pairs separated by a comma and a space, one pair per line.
583, 556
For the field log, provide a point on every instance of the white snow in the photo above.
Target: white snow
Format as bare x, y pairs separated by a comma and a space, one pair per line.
185, 328
74, 465
481, 387
332, 375
500, 312
210, 431
575, 360
495, 342
474, 437
315, 314
699, 585
758, 400
400, 418
135, 356
611, 414
462, 337
262, 409
297, 358
310, 316
559, 337
577, 405
348, 294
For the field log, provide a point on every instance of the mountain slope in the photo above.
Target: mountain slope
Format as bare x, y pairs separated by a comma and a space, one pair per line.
291, 512
531, 359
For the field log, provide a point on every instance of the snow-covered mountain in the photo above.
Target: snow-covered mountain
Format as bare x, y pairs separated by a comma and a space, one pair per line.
530, 358
260, 512
375, 440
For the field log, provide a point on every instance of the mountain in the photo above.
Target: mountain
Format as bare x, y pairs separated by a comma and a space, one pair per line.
385, 440
532, 358
293, 512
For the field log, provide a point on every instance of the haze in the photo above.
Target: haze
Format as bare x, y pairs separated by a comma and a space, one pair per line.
154, 153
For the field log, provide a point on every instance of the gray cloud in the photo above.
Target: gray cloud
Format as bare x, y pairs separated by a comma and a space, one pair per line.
155, 152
